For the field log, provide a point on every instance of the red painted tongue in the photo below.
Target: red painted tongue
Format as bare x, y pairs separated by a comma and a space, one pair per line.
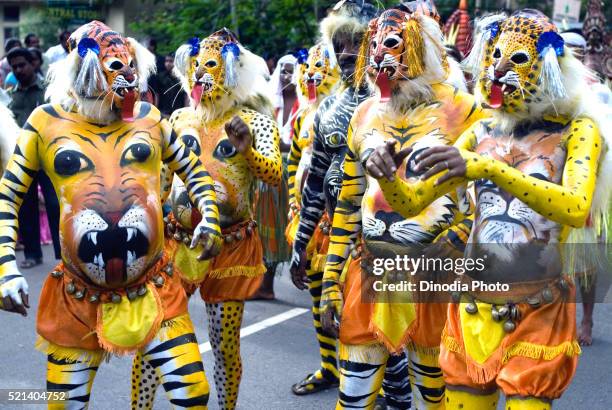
196, 94
496, 97
312, 91
115, 268
382, 81
127, 112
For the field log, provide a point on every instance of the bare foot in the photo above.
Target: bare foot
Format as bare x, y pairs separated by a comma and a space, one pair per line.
263, 294
585, 333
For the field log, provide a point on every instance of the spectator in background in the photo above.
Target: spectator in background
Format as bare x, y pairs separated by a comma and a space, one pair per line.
169, 95
159, 60
28, 94
60, 51
11, 80
31, 40
5, 68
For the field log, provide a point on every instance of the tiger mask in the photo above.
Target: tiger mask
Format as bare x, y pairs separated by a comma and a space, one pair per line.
317, 72
402, 53
218, 71
104, 73
522, 66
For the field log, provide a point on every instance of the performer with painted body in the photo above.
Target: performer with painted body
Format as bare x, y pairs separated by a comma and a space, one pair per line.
114, 291
535, 165
239, 146
344, 28
415, 109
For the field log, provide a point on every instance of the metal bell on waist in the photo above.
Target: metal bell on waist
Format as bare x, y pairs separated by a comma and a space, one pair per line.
80, 294
229, 239
132, 294
95, 298
509, 326
238, 235
456, 296
171, 227
57, 273
563, 285
141, 290
533, 301
177, 236
116, 298
495, 314
158, 281
186, 240
471, 308
515, 313
169, 269
71, 288
547, 295
503, 311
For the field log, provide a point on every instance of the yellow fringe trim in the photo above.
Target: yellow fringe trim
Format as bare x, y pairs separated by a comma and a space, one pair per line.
523, 349
433, 351
70, 354
230, 271
534, 351
175, 327
368, 353
452, 344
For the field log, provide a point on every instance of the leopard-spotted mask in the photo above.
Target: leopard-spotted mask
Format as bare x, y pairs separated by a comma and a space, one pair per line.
317, 72
519, 63
211, 67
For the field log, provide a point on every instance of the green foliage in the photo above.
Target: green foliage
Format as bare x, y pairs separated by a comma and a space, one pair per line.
264, 26
37, 20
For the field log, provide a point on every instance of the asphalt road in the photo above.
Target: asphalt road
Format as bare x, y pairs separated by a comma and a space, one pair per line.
274, 356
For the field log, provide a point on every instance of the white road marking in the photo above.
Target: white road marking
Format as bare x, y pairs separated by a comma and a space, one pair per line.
259, 326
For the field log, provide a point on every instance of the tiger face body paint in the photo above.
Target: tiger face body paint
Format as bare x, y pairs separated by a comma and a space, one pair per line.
115, 291
415, 108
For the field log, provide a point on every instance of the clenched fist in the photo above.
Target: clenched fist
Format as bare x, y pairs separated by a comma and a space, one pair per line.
239, 134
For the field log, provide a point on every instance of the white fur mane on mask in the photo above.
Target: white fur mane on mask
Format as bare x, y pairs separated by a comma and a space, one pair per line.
62, 83
250, 90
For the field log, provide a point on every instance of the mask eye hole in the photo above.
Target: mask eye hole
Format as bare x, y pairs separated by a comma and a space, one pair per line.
70, 162
211, 63
197, 63
116, 65
135, 153
131, 63
391, 42
319, 64
374, 44
497, 53
520, 58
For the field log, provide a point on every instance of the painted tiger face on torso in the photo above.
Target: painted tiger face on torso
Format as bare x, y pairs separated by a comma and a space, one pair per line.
438, 122
107, 181
537, 151
229, 170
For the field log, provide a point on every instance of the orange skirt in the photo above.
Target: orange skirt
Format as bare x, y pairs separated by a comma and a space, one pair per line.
356, 326
538, 359
70, 311
235, 274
